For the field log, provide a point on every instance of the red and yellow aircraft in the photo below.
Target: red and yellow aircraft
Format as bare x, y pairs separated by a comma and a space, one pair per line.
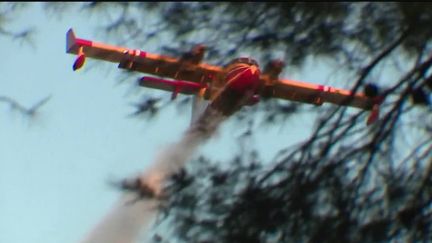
227, 88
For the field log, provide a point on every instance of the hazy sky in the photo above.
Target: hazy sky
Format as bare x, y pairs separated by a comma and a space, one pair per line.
54, 169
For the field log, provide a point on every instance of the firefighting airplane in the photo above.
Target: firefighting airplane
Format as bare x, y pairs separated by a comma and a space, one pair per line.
226, 88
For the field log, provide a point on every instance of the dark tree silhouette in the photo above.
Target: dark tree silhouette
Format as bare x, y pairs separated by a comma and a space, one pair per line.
9, 12
347, 182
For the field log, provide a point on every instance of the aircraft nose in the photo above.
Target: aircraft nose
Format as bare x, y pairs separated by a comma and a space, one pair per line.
243, 77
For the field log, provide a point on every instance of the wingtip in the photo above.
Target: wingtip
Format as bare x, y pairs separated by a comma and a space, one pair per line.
79, 62
70, 40
374, 115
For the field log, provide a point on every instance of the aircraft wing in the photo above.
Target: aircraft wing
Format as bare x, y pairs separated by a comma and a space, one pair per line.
316, 94
141, 61
192, 79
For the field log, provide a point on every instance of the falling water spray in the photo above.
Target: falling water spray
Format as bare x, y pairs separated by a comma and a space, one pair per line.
125, 222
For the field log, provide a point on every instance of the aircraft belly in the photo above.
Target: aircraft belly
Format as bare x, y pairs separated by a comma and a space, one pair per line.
229, 101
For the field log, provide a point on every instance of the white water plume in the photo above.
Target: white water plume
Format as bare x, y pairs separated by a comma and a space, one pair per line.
126, 221
175, 156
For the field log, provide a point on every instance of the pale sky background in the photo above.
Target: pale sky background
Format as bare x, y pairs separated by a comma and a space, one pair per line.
54, 169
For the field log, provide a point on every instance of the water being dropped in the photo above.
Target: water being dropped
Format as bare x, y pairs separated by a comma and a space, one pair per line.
126, 221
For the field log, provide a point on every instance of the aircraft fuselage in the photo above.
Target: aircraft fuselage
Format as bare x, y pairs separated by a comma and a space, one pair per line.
242, 81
